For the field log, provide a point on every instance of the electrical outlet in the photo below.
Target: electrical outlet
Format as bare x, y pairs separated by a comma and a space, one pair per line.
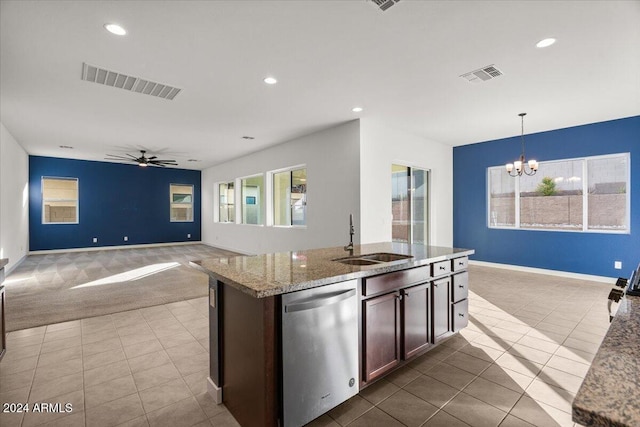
95, 240
188, 236
617, 265
126, 239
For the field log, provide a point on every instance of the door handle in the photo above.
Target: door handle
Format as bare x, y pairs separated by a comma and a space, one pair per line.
320, 302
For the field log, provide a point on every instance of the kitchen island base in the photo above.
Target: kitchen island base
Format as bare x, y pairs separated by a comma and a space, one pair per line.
398, 307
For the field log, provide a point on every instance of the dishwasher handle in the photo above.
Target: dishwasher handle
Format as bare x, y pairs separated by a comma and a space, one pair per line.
320, 302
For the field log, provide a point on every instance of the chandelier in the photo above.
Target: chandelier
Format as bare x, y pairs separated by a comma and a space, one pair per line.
522, 166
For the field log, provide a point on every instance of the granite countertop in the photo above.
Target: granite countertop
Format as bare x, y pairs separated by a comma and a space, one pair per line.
609, 394
278, 273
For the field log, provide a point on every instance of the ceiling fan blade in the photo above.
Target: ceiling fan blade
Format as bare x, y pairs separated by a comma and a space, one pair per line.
117, 158
164, 161
134, 157
152, 157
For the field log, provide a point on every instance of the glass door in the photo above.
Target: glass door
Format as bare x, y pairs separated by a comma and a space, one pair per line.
410, 204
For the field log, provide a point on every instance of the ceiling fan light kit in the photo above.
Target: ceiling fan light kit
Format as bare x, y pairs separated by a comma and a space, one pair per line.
143, 160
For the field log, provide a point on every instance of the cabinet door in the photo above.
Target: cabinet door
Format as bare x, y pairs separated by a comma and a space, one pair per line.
381, 332
441, 307
415, 319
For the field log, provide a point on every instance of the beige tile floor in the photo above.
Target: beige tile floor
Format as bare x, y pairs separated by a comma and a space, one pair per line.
145, 367
529, 344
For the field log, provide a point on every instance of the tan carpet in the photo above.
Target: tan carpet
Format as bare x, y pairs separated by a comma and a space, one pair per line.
55, 288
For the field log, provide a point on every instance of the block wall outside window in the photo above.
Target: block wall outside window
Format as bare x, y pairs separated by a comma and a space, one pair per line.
586, 194
181, 201
59, 200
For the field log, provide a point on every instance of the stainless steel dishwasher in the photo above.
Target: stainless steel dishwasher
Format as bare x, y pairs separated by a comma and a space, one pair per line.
319, 350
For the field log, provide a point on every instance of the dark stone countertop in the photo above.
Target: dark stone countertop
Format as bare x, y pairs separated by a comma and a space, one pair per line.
278, 273
609, 395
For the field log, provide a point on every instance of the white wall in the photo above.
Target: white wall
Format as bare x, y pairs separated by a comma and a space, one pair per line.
333, 176
14, 199
380, 147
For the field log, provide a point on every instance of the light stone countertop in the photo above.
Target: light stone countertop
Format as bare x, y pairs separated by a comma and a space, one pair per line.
278, 273
609, 395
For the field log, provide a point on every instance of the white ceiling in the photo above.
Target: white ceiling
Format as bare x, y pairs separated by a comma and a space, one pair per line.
402, 66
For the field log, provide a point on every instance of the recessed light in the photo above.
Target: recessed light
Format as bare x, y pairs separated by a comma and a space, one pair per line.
270, 80
115, 29
546, 42
356, 109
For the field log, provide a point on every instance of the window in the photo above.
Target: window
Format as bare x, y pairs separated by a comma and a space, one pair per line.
226, 197
585, 194
181, 200
59, 200
290, 197
252, 195
409, 204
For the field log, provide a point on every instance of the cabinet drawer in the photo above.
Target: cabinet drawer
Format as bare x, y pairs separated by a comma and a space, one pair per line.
390, 281
460, 314
460, 263
459, 286
441, 268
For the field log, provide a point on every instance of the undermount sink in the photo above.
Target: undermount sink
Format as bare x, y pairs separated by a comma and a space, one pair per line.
371, 259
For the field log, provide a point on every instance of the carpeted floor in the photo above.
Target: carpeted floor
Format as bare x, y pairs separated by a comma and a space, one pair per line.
54, 288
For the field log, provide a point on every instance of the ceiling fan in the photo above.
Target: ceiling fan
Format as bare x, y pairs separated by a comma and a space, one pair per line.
143, 160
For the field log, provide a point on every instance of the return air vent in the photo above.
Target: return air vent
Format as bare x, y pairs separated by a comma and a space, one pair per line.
483, 74
102, 76
385, 4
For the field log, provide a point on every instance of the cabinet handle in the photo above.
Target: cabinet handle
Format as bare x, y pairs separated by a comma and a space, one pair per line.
460, 314
461, 286
442, 267
406, 294
460, 263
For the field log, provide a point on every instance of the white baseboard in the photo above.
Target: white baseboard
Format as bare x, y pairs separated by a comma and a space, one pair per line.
8, 271
106, 248
568, 274
214, 391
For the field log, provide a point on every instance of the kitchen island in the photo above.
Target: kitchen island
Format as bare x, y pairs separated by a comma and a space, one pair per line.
404, 307
609, 393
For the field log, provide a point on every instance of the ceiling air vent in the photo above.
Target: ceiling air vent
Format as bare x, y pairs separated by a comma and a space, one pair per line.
102, 76
385, 4
483, 74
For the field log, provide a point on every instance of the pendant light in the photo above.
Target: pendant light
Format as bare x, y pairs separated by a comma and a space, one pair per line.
521, 165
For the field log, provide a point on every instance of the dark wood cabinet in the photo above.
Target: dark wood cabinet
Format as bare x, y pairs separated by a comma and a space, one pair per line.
381, 332
416, 324
440, 307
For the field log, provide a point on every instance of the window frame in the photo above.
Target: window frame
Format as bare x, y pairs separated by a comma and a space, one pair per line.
217, 205
271, 197
43, 200
192, 203
261, 203
585, 197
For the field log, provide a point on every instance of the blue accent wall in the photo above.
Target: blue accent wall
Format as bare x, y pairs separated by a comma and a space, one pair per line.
587, 253
115, 200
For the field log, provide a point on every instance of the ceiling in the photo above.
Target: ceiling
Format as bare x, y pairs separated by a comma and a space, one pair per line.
402, 66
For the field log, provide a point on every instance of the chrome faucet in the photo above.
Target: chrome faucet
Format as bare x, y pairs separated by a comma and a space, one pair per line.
349, 247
